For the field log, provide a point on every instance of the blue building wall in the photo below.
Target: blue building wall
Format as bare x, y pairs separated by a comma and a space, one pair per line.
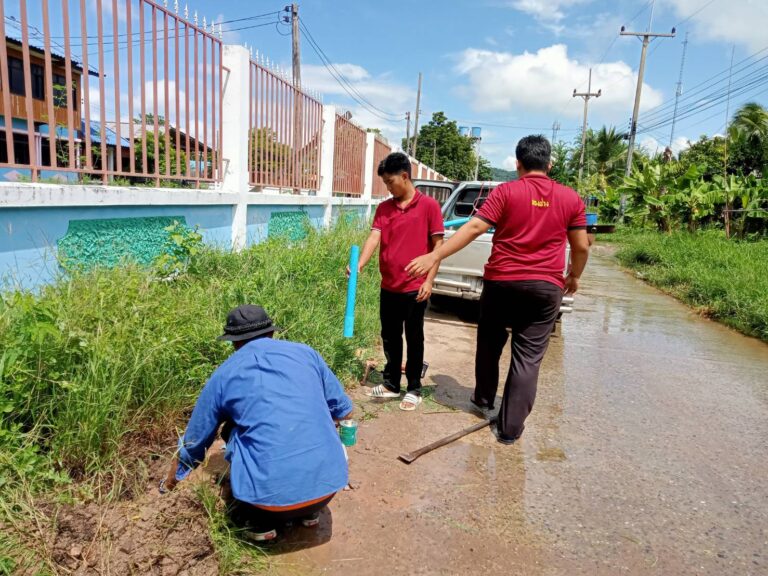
29, 236
264, 221
33, 241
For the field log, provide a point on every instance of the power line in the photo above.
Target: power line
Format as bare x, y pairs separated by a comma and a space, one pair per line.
718, 99
184, 22
346, 85
696, 90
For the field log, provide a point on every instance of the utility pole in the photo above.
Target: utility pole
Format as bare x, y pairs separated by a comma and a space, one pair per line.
408, 132
678, 92
586, 96
416, 123
555, 130
434, 154
296, 48
725, 149
646, 36
297, 110
476, 139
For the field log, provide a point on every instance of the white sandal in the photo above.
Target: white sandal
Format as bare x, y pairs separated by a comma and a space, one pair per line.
410, 402
381, 391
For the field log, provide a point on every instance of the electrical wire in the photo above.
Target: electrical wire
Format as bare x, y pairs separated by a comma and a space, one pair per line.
351, 91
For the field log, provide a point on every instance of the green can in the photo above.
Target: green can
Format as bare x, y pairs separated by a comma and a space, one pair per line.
348, 432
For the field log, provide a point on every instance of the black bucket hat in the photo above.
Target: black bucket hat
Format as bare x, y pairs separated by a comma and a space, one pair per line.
246, 322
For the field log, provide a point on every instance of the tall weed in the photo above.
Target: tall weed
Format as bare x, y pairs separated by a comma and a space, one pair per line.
725, 279
114, 354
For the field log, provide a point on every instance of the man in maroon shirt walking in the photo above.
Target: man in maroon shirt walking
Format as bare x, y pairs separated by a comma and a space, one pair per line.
523, 282
407, 225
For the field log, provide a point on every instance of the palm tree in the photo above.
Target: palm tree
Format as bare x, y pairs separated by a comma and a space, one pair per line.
750, 122
605, 156
749, 134
609, 152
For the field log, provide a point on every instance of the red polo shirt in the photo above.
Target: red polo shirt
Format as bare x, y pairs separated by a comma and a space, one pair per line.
532, 217
405, 235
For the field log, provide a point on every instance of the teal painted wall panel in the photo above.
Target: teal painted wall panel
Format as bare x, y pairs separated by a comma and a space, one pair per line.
110, 241
264, 221
29, 236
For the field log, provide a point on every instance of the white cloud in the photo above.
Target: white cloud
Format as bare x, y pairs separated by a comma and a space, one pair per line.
680, 143
380, 92
543, 82
509, 163
652, 146
545, 10
743, 22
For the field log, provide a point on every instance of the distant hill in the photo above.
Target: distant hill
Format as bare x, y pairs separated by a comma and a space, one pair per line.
501, 175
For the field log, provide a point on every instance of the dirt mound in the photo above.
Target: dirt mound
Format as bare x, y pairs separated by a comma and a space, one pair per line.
164, 535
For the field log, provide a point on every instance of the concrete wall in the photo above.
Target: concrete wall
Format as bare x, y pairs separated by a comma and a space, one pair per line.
36, 220
40, 223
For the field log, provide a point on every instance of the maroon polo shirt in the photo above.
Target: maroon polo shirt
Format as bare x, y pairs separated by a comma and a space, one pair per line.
532, 217
405, 235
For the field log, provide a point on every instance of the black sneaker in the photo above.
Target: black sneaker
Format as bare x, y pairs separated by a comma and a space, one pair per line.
311, 521
486, 410
261, 536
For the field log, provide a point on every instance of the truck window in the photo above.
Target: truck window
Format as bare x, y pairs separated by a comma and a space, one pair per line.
465, 203
439, 193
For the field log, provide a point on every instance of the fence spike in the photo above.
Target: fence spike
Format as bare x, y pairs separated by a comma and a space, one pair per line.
176, 6
195, 17
205, 25
165, 3
186, 12
221, 32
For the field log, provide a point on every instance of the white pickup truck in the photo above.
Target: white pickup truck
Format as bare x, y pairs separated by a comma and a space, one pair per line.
461, 275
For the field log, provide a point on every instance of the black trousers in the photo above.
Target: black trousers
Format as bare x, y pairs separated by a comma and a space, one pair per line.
398, 310
250, 517
529, 308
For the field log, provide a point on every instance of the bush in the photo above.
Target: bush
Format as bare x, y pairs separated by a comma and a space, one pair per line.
725, 279
107, 355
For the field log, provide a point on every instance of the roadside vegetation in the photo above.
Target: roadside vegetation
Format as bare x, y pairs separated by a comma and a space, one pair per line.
694, 224
723, 279
102, 368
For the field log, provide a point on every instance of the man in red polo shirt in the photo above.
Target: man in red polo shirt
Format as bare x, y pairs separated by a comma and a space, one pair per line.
523, 282
407, 225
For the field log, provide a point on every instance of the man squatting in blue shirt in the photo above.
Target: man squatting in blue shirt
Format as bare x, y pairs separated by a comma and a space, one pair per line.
279, 403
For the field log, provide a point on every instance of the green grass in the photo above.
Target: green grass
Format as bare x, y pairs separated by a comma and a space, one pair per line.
113, 358
235, 554
101, 368
726, 280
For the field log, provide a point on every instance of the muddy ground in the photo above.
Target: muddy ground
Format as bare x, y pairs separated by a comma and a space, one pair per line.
646, 453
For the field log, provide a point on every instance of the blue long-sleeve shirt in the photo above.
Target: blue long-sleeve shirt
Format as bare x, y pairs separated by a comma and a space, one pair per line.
284, 448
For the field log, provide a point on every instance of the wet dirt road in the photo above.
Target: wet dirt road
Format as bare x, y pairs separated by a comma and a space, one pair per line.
646, 453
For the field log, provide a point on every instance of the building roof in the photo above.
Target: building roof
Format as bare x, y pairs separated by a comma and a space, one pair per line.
55, 58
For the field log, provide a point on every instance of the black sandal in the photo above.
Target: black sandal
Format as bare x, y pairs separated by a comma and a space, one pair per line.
484, 406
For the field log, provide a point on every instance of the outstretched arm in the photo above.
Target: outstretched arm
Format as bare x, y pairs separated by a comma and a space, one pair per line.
464, 236
198, 436
371, 243
425, 290
579, 253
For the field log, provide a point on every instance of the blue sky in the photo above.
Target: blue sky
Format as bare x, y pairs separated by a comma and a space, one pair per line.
510, 66
516, 63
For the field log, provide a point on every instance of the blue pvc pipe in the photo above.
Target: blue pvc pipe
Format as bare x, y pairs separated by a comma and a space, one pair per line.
457, 222
349, 315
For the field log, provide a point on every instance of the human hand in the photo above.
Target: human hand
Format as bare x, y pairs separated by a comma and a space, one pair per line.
359, 269
425, 291
571, 284
167, 484
421, 265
